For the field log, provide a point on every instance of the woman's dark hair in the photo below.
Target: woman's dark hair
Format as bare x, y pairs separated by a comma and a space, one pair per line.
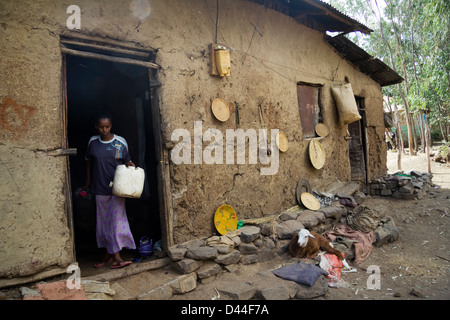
103, 116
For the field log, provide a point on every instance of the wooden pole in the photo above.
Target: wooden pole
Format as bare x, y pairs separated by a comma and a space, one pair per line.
428, 137
99, 56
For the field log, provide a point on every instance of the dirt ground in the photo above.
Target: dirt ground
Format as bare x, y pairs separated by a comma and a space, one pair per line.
415, 267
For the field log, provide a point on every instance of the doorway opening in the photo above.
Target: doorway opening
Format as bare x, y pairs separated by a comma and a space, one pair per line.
94, 87
358, 145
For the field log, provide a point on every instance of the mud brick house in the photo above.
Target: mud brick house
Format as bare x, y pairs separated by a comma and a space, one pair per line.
152, 65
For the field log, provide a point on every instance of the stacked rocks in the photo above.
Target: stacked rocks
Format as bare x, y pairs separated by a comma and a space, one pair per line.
250, 244
408, 186
210, 256
201, 260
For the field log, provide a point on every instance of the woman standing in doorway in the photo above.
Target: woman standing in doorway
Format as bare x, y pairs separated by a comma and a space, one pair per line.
104, 153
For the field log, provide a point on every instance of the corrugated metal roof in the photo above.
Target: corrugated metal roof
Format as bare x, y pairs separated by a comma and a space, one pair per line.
316, 14
375, 68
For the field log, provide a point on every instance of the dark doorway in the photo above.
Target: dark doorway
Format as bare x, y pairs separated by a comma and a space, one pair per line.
122, 90
357, 145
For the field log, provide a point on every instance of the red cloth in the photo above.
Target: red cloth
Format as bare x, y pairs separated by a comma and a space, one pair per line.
333, 266
363, 247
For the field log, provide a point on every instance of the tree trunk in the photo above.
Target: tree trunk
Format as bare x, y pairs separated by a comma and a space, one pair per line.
428, 135
398, 135
405, 102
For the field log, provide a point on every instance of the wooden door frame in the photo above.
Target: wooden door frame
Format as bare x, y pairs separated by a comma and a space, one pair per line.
162, 154
363, 134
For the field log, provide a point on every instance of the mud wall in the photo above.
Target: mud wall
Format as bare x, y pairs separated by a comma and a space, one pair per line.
264, 74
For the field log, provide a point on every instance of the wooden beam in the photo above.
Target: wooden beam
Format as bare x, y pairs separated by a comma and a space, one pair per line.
104, 57
105, 48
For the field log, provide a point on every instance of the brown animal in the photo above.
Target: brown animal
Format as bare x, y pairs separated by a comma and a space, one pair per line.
308, 244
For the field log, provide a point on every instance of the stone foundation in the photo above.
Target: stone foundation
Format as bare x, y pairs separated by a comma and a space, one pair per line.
409, 186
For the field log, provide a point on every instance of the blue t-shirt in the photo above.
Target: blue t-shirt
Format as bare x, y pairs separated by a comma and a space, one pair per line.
106, 156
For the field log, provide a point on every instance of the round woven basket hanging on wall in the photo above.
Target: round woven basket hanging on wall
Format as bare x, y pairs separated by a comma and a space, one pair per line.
220, 109
322, 130
316, 154
282, 142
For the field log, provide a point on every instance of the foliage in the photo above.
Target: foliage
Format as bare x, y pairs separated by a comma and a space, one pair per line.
417, 32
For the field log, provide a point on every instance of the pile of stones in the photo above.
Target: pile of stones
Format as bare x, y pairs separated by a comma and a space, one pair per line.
251, 243
202, 260
408, 186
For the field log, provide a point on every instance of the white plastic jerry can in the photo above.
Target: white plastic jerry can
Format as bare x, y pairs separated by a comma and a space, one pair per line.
128, 181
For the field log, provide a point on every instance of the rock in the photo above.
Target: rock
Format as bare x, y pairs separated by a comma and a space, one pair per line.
268, 229
417, 293
266, 254
121, 292
236, 240
287, 229
249, 233
276, 292
386, 233
202, 253
375, 186
390, 226
176, 253
407, 188
97, 290
247, 248
188, 265
386, 192
391, 184
258, 242
236, 290
359, 197
270, 287
310, 218
231, 268
229, 258
420, 193
403, 181
208, 269
335, 212
382, 236
249, 259
319, 288
289, 215
380, 210
268, 243
184, 283
223, 244
192, 243
417, 184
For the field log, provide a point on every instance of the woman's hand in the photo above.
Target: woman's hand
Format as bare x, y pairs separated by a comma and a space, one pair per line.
130, 164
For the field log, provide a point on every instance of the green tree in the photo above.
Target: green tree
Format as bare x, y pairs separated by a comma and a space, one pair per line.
412, 37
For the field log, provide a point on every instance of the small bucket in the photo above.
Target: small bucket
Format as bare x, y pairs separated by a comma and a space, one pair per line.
145, 246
